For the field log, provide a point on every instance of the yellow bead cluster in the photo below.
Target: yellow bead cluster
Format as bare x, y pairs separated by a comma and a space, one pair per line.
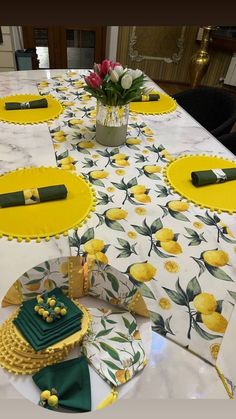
49, 398
49, 308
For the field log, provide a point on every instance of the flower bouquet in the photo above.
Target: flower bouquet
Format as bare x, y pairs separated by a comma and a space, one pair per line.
114, 87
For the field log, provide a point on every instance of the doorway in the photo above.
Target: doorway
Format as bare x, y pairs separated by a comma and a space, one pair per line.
66, 46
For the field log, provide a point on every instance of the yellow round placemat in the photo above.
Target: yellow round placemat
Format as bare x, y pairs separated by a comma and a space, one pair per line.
165, 104
45, 219
29, 116
217, 197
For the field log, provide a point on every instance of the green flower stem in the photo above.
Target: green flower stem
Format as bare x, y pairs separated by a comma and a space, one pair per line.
190, 322
126, 196
151, 247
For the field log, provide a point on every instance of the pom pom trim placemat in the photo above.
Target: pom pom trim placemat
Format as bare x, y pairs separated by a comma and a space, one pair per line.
165, 104
30, 116
50, 218
217, 197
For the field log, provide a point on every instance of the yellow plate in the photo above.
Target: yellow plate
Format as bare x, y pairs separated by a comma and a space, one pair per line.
165, 104
217, 197
30, 116
47, 218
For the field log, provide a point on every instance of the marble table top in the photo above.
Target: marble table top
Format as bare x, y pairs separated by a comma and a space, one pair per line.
174, 371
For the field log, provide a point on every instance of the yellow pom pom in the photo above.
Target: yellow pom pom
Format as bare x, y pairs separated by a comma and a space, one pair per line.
36, 308
53, 401
52, 303
63, 311
57, 310
45, 395
49, 319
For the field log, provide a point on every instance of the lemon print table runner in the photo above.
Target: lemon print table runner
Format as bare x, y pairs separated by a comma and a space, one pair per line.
172, 249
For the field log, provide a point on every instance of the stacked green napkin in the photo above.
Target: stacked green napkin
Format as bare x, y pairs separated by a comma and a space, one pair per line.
154, 97
33, 196
33, 104
41, 334
71, 380
207, 177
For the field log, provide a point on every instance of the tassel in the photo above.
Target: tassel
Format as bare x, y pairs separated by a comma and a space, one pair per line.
112, 398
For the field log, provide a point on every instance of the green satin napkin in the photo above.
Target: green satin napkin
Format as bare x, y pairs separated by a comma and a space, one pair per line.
33, 196
41, 334
71, 380
154, 97
32, 104
207, 177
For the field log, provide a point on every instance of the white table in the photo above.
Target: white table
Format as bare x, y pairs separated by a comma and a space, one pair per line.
175, 372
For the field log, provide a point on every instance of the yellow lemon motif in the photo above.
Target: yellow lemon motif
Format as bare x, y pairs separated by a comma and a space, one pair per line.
60, 139
147, 131
33, 287
164, 303
99, 174
101, 257
95, 156
67, 103
93, 246
152, 169
76, 121
137, 335
214, 349
205, 303
123, 376
216, 257
69, 166
116, 214
197, 224
132, 234
120, 172
86, 144
178, 206
171, 247
45, 395
67, 160
119, 156
53, 401
114, 301
48, 284
164, 234
140, 211
122, 162
133, 141
110, 189
138, 189
145, 151
215, 322
142, 198
171, 266
143, 272
64, 268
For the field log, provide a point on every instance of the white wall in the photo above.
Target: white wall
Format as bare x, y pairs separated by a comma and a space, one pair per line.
7, 51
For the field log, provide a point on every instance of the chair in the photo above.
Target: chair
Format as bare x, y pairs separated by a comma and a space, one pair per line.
229, 141
214, 108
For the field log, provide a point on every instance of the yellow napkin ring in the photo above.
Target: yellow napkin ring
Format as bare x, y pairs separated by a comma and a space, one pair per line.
48, 398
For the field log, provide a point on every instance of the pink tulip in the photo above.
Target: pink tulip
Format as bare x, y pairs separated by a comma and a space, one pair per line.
93, 80
106, 66
98, 69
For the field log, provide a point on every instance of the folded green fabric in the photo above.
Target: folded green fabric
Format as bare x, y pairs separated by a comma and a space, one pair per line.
33, 196
32, 104
41, 334
207, 177
154, 97
71, 380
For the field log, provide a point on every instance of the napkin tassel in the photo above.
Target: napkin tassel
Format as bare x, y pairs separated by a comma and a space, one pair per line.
112, 398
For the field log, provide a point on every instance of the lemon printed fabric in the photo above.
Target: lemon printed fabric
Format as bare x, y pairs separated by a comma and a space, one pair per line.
182, 257
113, 346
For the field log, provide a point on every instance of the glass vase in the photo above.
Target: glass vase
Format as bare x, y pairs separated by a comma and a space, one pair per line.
111, 124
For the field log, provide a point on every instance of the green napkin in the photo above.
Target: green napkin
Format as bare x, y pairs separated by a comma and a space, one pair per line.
154, 97
71, 380
207, 177
33, 104
41, 334
33, 196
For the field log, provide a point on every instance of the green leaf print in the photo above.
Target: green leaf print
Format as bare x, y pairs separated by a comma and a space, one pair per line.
111, 351
118, 339
146, 292
193, 289
177, 215
111, 364
114, 225
103, 333
114, 281
202, 333
176, 297
218, 273
156, 225
136, 357
232, 294
88, 235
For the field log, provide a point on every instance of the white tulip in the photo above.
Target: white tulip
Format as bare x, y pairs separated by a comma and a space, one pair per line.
119, 70
114, 76
126, 81
137, 73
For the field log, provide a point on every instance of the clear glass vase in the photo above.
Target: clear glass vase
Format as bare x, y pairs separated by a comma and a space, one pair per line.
111, 124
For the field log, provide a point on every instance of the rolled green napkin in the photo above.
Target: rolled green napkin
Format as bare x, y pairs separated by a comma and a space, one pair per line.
33, 104
154, 97
207, 177
33, 196
69, 381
